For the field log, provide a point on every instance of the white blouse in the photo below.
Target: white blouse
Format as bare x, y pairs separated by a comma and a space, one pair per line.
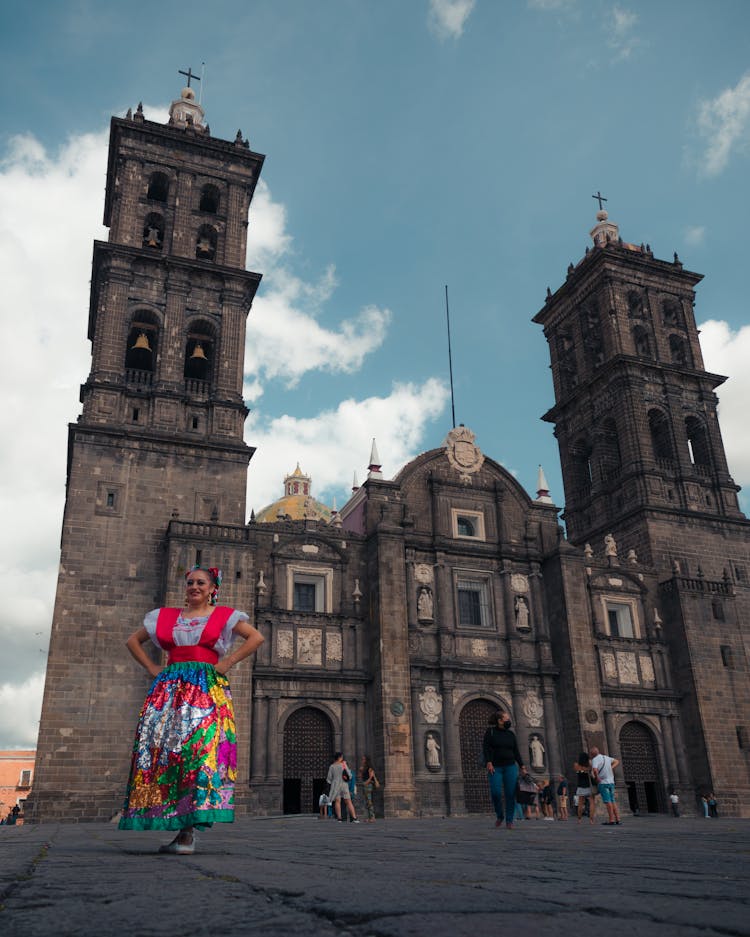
187, 631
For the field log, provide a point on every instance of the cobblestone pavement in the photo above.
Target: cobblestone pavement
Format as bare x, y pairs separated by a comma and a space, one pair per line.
300, 876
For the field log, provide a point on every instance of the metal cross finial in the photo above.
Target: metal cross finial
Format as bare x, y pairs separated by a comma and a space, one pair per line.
189, 74
599, 197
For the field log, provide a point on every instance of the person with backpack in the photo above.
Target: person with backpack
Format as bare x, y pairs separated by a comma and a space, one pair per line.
338, 779
502, 760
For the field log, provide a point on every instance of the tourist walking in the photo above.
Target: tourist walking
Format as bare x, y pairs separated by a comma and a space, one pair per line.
338, 780
674, 802
562, 797
184, 759
502, 758
603, 773
713, 805
369, 783
584, 793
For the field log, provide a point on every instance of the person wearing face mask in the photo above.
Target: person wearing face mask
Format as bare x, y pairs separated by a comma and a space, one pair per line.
185, 754
503, 760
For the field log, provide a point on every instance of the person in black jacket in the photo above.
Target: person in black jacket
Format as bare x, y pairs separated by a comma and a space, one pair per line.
501, 755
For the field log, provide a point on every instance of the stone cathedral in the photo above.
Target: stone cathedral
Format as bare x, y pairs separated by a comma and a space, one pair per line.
396, 625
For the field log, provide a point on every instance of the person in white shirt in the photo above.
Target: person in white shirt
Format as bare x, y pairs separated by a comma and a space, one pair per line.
603, 772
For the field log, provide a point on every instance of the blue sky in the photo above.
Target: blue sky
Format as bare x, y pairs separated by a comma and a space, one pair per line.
409, 144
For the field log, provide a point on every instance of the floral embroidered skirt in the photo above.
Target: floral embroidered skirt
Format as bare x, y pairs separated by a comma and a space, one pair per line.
185, 754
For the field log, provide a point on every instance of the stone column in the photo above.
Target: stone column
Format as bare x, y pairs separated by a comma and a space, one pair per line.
612, 742
259, 749
669, 753
683, 768
551, 736
275, 769
451, 753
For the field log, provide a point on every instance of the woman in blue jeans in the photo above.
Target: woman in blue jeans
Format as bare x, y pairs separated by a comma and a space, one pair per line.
501, 755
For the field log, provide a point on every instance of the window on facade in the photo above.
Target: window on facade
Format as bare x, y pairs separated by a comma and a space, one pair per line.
727, 658
620, 620
642, 342
581, 452
671, 313
717, 608
635, 306
309, 589
140, 350
468, 524
743, 737
678, 350
158, 187
209, 199
473, 603
305, 594
25, 779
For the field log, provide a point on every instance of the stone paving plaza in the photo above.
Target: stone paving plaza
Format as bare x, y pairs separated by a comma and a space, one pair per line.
300, 876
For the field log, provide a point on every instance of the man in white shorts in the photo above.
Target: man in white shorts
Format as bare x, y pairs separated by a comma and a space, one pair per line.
603, 772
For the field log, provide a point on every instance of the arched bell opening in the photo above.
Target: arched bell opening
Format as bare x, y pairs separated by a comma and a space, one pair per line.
642, 342
199, 355
140, 349
699, 447
158, 187
205, 244
209, 202
153, 231
661, 437
678, 350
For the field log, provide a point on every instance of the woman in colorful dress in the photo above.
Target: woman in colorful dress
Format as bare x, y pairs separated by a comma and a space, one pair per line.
184, 758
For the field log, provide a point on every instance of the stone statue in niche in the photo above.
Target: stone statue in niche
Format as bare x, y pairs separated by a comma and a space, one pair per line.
432, 751
536, 750
431, 704
424, 604
521, 607
610, 548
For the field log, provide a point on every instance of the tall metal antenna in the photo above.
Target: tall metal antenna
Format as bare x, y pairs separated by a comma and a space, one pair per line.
203, 74
450, 359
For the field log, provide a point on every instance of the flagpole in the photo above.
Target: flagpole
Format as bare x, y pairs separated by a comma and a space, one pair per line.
450, 359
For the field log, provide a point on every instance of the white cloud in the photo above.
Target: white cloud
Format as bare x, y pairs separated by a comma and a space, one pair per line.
724, 123
622, 39
550, 4
727, 352
20, 705
448, 17
331, 446
695, 235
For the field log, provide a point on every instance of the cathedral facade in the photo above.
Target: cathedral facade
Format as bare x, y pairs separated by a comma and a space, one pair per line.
397, 625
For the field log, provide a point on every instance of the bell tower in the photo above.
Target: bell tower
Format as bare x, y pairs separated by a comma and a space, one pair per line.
642, 457
160, 434
635, 412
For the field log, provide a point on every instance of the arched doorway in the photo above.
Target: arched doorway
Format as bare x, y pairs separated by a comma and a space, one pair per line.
472, 724
308, 751
640, 767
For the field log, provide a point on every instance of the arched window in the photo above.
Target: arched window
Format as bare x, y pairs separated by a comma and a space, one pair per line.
661, 438
678, 350
581, 452
199, 355
591, 330
635, 305
699, 446
608, 445
205, 245
209, 199
671, 314
153, 231
642, 342
158, 187
566, 357
141, 348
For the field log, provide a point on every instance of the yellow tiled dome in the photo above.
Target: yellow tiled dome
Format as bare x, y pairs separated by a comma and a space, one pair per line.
297, 503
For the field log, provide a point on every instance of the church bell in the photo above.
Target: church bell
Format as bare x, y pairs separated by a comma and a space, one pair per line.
198, 352
141, 343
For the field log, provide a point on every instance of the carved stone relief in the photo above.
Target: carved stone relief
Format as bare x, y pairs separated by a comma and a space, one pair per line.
532, 708
285, 645
334, 650
463, 455
627, 668
479, 647
609, 666
423, 574
519, 583
309, 646
431, 704
647, 668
